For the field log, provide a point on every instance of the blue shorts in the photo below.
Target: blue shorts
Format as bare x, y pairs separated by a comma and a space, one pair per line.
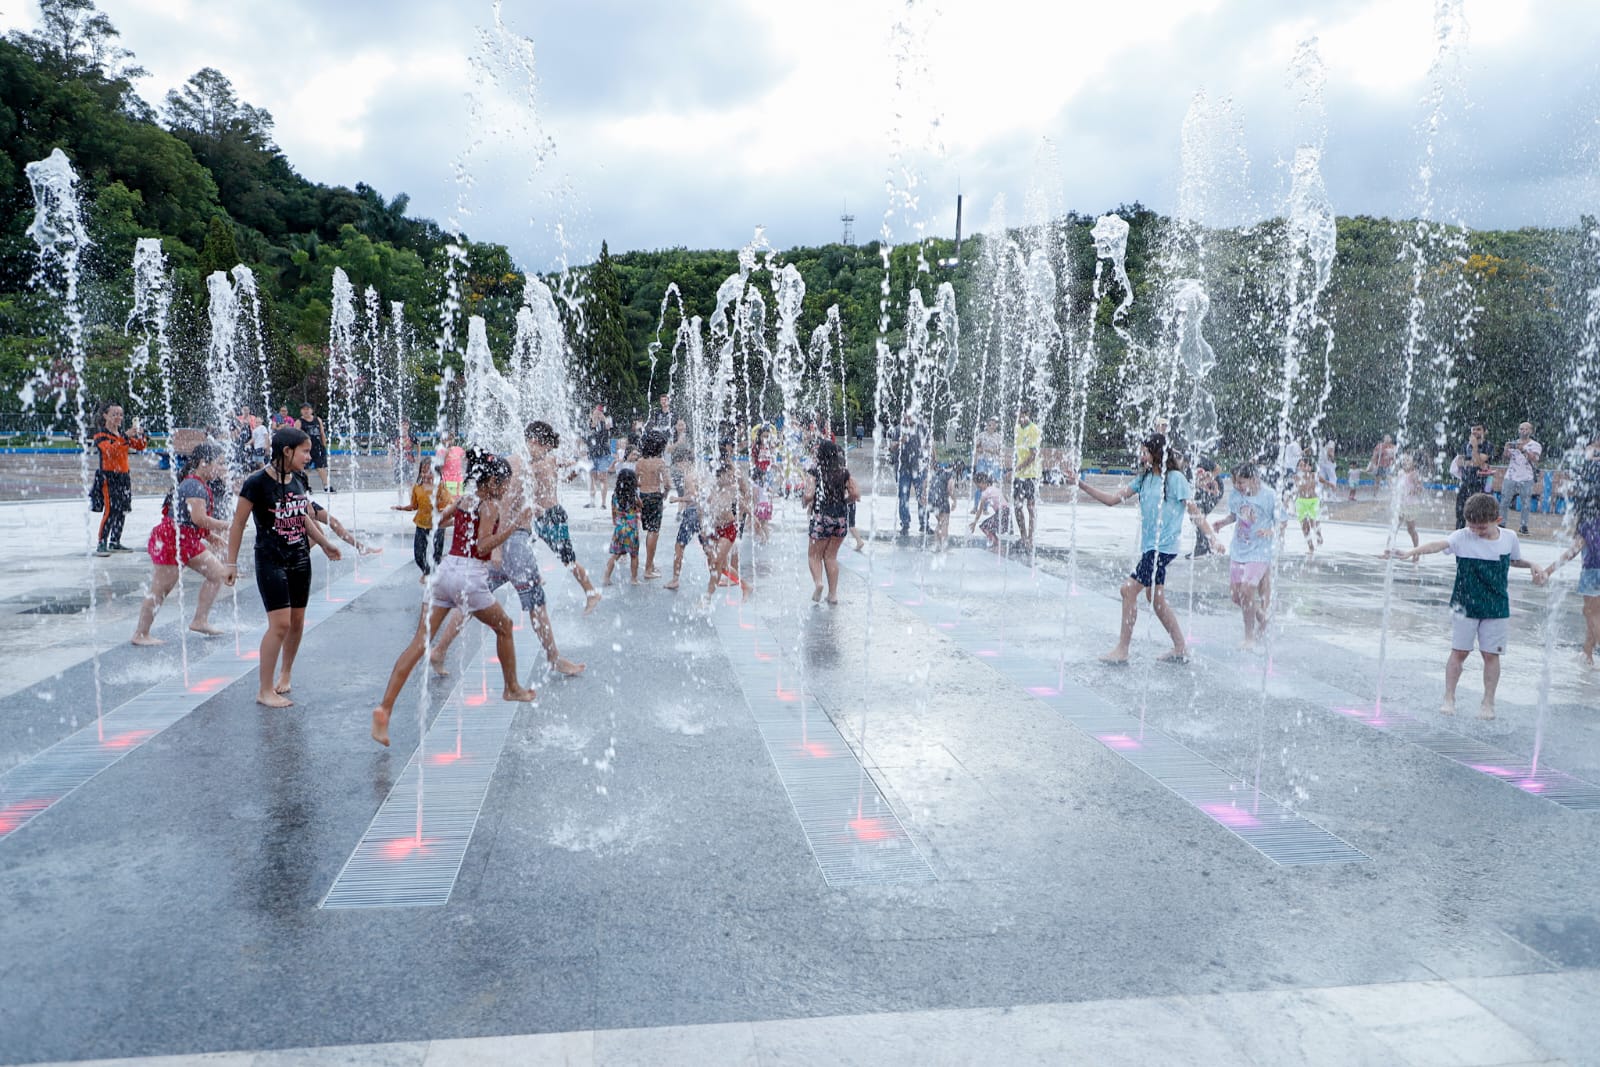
1589, 582
602, 464
1152, 568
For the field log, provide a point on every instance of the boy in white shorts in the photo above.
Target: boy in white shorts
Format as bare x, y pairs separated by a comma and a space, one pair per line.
1480, 602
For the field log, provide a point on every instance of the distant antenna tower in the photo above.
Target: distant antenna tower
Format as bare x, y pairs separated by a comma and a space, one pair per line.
849, 221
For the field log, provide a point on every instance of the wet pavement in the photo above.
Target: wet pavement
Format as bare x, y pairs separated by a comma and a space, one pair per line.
641, 857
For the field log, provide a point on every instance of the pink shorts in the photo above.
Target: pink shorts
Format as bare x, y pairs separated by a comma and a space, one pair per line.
1247, 573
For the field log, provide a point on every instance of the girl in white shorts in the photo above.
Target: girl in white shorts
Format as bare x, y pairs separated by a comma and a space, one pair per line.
479, 523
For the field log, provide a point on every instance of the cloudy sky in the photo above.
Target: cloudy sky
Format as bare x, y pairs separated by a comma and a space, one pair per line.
657, 124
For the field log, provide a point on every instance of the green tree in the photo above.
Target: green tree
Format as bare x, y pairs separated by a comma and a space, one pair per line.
612, 361
219, 251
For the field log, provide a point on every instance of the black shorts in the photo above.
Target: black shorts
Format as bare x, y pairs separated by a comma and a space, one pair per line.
1152, 568
650, 511
552, 530
319, 458
283, 587
1023, 490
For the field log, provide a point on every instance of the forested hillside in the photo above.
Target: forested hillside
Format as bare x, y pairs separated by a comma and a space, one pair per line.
201, 172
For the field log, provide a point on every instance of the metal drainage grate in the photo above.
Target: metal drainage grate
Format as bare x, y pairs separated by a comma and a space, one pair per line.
411, 854
39, 783
1257, 819
853, 833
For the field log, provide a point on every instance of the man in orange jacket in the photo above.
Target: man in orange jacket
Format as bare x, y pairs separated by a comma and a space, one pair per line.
112, 495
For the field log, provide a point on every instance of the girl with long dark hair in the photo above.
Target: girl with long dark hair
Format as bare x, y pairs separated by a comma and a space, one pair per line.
829, 492
285, 530
478, 522
180, 539
1164, 495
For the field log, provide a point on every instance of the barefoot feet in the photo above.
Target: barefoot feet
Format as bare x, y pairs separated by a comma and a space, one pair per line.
519, 694
563, 665
146, 639
380, 726
816, 594
271, 699
1448, 705
283, 684
594, 599
206, 629
1486, 710
672, 584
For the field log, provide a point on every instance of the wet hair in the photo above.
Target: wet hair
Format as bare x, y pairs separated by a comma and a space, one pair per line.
833, 477
1160, 461
654, 444
198, 457
1481, 507
542, 433
286, 440
626, 495
1243, 471
982, 478
1025, 408
424, 465
485, 468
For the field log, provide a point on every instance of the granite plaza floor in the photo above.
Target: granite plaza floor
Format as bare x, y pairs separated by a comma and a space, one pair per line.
926, 826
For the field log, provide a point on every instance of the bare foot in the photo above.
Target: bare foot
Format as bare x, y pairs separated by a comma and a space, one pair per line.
1117, 657
748, 590
860, 545
520, 695
1177, 655
594, 600
206, 629
273, 700
1448, 706
816, 594
1486, 710
606, 583
380, 726
834, 601
652, 573
671, 585
1247, 645
146, 639
565, 666
283, 685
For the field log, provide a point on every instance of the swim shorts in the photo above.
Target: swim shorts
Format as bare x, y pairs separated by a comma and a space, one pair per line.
688, 524
519, 567
462, 583
824, 527
1152, 568
650, 511
1247, 573
552, 530
1589, 582
190, 540
1488, 634
283, 587
1024, 489
1307, 509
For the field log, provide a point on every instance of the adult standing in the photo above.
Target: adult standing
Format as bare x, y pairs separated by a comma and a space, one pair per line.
662, 419
260, 442
1026, 468
112, 492
1472, 465
452, 463
1381, 464
600, 446
1522, 468
910, 465
313, 428
1292, 451
986, 455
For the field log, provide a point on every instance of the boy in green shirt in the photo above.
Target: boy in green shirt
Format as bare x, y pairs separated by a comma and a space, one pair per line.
1480, 603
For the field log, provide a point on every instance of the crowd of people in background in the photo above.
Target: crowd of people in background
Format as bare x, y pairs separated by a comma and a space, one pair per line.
478, 517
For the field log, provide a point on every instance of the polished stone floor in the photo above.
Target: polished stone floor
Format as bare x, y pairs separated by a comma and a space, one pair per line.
640, 865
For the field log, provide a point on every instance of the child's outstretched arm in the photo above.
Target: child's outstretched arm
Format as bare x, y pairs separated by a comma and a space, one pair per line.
1421, 550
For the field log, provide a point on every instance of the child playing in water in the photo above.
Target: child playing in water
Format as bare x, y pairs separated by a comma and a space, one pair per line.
1480, 603
1307, 504
426, 495
624, 524
182, 539
727, 502
1255, 510
550, 518
1586, 544
688, 501
939, 501
992, 504
1410, 490
478, 525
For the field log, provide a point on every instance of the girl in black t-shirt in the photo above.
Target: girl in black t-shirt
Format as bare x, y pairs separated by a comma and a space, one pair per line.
285, 528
